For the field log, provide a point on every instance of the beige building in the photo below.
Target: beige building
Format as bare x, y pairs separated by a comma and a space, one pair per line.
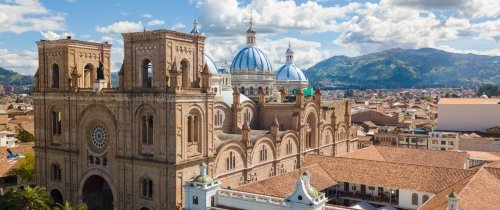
443, 140
133, 146
468, 114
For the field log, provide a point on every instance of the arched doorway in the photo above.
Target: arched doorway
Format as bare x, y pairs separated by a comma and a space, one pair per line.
97, 194
57, 196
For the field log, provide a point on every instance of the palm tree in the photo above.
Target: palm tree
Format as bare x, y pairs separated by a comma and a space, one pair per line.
36, 198
67, 206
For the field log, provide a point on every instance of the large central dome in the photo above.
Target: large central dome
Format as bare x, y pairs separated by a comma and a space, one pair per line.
251, 59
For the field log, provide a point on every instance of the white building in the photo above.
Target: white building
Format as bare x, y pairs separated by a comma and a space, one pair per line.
443, 140
7, 139
468, 114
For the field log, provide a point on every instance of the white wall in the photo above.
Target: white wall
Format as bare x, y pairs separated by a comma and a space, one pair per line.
468, 117
405, 198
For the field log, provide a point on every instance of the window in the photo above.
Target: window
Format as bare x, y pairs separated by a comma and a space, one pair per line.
425, 198
185, 73
289, 147
147, 129
231, 161
443, 142
56, 172
194, 128
218, 118
147, 188
246, 116
414, 199
251, 91
147, 73
88, 75
263, 153
294, 164
267, 91
451, 143
56, 122
434, 141
242, 91
55, 76
195, 200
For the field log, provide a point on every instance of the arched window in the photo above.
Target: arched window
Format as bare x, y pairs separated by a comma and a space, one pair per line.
55, 172
194, 128
414, 199
247, 117
263, 153
251, 91
55, 76
309, 132
242, 181
328, 137
267, 91
294, 164
185, 72
147, 129
56, 122
147, 73
425, 198
146, 188
242, 90
231, 161
289, 147
88, 75
219, 118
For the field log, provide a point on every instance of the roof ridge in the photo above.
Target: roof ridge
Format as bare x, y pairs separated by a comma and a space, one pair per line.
472, 178
380, 153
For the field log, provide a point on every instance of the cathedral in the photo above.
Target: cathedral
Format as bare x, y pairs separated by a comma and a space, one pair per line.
136, 145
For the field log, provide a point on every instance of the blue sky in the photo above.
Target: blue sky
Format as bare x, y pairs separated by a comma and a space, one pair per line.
316, 29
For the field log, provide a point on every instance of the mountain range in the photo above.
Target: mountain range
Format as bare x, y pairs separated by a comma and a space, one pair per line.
10, 77
406, 68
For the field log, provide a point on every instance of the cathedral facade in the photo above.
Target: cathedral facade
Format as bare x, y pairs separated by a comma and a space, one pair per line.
134, 146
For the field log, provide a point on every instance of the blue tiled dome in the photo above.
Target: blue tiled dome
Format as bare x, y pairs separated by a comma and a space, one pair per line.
251, 59
211, 65
290, 72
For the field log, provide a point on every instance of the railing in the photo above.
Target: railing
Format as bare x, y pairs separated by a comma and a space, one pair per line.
251, 197
358, 196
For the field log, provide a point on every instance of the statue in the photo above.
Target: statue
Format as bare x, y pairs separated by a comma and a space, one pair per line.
100, 71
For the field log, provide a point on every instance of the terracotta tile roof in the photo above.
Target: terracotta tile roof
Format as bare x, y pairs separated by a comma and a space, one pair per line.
6, 164
389, 174
469, 101
284, 184
481, 191
448, 159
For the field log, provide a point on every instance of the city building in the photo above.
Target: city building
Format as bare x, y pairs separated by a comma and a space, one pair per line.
468, 114
134, 146
443, 140
9, 158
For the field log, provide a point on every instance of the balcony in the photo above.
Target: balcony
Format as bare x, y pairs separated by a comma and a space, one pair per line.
343, 198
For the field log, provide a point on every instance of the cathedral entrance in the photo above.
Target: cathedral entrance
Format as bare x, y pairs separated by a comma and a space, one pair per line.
97, 194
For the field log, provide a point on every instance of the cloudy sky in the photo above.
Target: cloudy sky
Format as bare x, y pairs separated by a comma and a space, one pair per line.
316, 29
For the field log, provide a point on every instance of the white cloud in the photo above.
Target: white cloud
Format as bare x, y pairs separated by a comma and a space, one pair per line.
467, 8
147, 15
120, 27
178, 27
24, 62
156, 22
270, 16
489, 30
20, 16
50, 35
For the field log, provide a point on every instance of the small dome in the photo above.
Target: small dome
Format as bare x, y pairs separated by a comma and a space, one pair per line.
484, 95
313, 193
211, 65
251, 59
204, 179
290, 72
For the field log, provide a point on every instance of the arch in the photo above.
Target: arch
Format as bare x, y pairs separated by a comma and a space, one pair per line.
194, 129
54, 81
242, 90
56, 120
251, 92
327, 136
221, 160
284, 146
97, 177
185, 69
146, 124
256, 151
311, 131
57, 196
89, 75
414, 199
425, 198
147, 73
91, 116
146, 186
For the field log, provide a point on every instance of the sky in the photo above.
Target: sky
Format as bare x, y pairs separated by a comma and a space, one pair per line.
316, 29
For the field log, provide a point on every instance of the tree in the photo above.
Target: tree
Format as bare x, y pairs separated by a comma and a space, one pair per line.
26, 168
23, 135
36, 198
67, 206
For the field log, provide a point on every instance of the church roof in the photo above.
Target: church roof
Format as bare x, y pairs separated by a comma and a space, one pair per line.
251, 59
290, 72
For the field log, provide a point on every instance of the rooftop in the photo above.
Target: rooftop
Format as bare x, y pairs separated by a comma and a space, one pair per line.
469, 101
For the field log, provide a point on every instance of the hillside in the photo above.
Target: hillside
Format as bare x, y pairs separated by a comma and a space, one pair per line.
405, 68
9, 77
